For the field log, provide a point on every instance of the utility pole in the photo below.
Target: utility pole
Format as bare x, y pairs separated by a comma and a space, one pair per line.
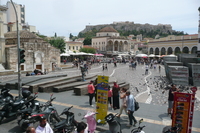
18, 52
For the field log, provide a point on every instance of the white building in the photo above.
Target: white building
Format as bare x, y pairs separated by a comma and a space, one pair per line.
11, 18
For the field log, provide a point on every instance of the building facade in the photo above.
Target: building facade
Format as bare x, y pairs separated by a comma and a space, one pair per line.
108, 41
38, 53
173, 45
73, 46
3, 29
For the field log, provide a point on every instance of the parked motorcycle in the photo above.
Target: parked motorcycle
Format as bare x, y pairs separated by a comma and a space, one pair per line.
11, 108
24, 115
67, 125
47, 111
139, 128
114, 125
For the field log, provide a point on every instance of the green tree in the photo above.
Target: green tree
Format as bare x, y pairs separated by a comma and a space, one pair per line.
87, 41
71, 36
88, 50
58, 43
55, 35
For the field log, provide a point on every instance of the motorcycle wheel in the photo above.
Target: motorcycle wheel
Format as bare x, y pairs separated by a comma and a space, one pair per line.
52, 121
23, 125
1, 118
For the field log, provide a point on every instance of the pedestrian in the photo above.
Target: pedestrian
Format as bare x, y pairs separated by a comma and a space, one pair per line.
159, 67
115, 63
171, 98
44, 126
115, 91
82, 72
146, 70
91, 90
27, 74
123, 101
130, 101
106, 67
103, 67
30, 130
95, 86
109, 96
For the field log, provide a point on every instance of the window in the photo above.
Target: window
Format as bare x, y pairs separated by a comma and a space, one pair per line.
76, 47
99, 43
69, 47
73, 47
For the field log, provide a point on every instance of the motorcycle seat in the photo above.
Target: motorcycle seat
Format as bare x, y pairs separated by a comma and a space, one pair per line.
16, 103
28, 110
60, 124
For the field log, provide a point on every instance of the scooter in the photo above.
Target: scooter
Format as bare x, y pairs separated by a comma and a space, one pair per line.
91, 121
67, 125
139, 128
23, 115
114, 125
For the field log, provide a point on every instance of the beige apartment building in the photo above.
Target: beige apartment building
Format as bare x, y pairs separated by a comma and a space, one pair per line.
73, 46
173, 45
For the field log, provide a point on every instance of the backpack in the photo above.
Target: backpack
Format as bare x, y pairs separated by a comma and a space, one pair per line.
136, 105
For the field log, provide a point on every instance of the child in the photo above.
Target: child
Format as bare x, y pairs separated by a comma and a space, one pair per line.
109, 96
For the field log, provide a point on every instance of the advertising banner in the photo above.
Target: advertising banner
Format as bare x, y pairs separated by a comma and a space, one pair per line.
181, 111
102, 98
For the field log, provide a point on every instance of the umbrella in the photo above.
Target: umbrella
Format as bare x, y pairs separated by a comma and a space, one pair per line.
141, 55
98, 55
151, 55
64, 54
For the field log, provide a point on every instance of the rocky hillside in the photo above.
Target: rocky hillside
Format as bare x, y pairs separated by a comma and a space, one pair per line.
130, 26
127, 28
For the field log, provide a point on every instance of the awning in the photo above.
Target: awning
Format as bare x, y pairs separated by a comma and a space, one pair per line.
64, 54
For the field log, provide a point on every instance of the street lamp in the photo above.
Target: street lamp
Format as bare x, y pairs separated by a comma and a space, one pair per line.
18, 52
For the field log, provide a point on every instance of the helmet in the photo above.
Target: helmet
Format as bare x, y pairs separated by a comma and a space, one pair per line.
26, 93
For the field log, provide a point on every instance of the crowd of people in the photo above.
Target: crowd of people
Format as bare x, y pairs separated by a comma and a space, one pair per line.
118, 98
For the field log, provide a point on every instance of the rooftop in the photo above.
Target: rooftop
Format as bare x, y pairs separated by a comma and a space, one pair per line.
108, 29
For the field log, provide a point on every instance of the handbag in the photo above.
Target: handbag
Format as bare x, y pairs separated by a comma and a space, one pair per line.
136, 105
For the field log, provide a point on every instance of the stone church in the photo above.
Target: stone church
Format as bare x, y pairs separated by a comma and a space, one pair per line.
39, 54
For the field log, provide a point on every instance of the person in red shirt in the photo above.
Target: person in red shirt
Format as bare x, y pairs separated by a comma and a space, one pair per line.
91, 90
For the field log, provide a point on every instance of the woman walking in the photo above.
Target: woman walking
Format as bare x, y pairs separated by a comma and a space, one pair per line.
115, 91
123, 101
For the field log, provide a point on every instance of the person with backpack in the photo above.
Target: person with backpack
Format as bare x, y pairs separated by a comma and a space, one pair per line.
130, 102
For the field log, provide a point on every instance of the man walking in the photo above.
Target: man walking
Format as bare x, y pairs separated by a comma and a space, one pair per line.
130, 108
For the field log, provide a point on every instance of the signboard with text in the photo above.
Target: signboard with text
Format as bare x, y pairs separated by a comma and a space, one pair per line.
102, 98
182, 115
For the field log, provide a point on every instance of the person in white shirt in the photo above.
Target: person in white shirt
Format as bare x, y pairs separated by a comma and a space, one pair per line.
44, 127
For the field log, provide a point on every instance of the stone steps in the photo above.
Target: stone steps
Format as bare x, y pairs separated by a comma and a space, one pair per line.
71, 86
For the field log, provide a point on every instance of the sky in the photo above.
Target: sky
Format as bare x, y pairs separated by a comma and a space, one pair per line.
72, 16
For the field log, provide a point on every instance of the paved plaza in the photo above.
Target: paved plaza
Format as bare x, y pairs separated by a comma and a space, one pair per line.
153, 101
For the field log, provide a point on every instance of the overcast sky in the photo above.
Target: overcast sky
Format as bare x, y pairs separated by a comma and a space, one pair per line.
72, 16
